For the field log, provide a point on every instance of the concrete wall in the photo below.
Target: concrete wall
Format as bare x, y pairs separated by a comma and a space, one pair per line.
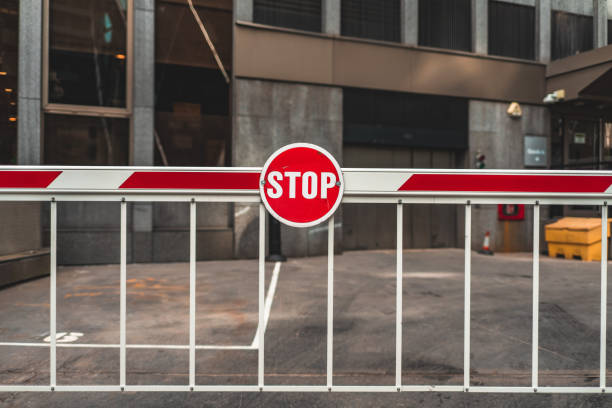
584, 7
501, 139
269, 115
20, 227
214, 237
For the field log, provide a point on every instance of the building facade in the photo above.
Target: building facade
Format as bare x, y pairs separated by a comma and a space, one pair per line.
378, 83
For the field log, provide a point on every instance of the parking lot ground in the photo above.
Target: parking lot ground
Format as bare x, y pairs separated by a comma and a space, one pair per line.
295, 334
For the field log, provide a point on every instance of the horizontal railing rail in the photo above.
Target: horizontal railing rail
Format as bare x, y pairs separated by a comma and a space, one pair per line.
392, 186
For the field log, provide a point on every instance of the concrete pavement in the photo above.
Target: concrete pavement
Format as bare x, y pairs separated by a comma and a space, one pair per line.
295, 352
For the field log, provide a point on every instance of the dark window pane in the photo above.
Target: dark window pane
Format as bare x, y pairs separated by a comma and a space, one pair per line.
571, 34
9, 33
192, 120
556, 142
299, 14
446, 24
178, 39
82, 140
511, 30
583, 140
609, 32
87, 52
376, 19
403, 119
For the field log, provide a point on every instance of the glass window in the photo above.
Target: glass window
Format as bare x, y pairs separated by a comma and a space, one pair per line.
571, 34
511, 30
607, 142
192, 119
83, 140
556, 142
9, 34
376, 19
583, 141
446, 24
404, 119
299, 14
87, 52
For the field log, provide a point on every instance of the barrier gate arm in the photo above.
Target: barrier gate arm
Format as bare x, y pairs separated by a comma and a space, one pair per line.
240, 184
36, 183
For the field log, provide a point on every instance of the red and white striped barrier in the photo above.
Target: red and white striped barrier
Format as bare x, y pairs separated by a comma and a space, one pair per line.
358, 181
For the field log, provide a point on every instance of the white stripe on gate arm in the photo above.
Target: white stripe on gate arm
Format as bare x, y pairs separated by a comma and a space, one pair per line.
102, 179
268, 304
370, 181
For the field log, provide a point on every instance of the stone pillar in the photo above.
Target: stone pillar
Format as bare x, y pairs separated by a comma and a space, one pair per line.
243, 10
331, 17
480, 21
269, 115
143, 121
144, 81
600, 23
29, 82
409, 15
543, 10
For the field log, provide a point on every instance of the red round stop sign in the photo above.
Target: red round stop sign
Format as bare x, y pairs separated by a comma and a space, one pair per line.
301, 185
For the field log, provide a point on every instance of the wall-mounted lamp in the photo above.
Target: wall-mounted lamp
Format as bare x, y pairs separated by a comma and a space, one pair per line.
514, 110
556, 96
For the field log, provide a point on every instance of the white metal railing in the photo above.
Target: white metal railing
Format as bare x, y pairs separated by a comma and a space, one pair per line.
362, 186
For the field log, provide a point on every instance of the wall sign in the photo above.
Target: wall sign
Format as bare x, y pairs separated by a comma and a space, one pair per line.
536, 151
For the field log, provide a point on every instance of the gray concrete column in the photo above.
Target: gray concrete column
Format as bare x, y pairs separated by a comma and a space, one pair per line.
543, 10
409, 12
143, 83
29, 83
480, 21
243, 10
600, 23
331, 16
143, 121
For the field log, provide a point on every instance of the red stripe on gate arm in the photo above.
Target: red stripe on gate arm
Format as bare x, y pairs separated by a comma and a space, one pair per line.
187, 180
507, 183
27, 179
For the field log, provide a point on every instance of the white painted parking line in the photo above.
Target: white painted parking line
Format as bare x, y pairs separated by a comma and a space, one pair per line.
130, 346
64, 337
268, 303
253, 346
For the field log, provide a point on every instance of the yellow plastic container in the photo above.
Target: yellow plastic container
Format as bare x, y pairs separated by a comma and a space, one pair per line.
587, 253
574, 237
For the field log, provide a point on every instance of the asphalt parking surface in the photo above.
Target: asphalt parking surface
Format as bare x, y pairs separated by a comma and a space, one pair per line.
295, 348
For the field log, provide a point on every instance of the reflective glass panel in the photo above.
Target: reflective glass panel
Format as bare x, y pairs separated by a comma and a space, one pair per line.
192, 103
83, 140
9, 33
88, 52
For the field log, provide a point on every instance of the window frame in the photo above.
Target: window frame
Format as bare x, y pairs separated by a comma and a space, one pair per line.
534, 42
86, 110
399, 25
421, 34
552, 31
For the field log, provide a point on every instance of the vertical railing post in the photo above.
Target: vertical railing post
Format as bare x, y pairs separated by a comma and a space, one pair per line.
53, 295
330, 303
122, 294
192, 291
467, 295
604, 296
535, 307
398, 296
262, 283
